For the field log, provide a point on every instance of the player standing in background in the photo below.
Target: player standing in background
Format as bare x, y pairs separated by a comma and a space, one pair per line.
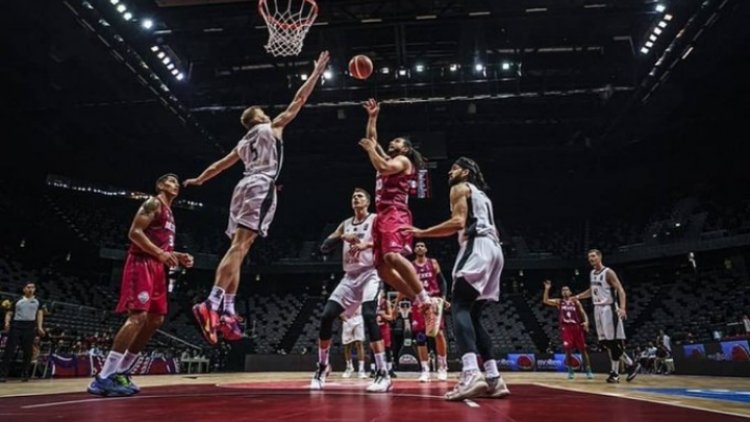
253, 203
573, 322
359, 287
143, 294
353, 333
610, 302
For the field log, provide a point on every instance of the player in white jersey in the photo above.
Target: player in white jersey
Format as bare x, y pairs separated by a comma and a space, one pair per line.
359, 286
610, 301
476, 278
353, 337
253, 203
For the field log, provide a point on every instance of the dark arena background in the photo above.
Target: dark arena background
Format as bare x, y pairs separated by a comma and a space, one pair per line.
618, 125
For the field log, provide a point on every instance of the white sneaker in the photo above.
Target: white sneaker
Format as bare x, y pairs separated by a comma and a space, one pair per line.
496, 388
348, 373
363, 375
381, 384
471, 384
424, 376
442, 374
319, 379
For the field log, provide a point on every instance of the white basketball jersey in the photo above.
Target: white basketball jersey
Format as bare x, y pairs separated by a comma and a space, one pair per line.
480, 221
601, 292
363, 231
261, 152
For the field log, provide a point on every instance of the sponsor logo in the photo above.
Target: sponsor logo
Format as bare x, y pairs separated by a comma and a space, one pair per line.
143, 297
407, 359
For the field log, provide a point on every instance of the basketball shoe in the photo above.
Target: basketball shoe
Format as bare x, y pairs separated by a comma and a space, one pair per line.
207, 320
470, 384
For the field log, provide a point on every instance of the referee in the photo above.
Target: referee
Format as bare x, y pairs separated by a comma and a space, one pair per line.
22, 323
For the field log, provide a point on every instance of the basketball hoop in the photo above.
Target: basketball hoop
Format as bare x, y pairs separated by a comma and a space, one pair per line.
288, 26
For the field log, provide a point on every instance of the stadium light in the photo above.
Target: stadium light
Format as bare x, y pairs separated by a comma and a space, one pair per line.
327, 74
657, 31
454, 67
121, 8
660, 8
667, 17
147, 23
161, 54
180, 77
385, 70
114, 1
479, 67
652, 37
644, 50
506, 66
649, 44
663, 24
419, 68
303, 76
402, 72
166, 60
127, 16
170, 66
155, 48
175, 72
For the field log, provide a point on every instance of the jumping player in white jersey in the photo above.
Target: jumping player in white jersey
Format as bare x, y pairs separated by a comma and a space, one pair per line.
610, 301
476, 278
359, 286
253, 202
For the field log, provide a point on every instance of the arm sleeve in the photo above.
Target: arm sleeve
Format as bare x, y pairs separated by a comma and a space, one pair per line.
442, 284
329, 244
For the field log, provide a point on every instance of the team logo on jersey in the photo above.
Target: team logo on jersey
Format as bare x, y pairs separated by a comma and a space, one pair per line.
143, 297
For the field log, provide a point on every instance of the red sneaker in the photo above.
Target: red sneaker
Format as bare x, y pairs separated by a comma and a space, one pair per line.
230, 327
207, 320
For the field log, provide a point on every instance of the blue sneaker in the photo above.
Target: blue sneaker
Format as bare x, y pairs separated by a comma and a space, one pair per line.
125, 381
108, 387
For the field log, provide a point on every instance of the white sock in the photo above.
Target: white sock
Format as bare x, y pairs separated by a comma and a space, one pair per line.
229, 303
111, 364
425, 367
490, 368
380, 361
361, 366
350, 365
323, 355
470, 362
627, 359
616, 366
214, 299
127, 361
390, 366
422, 297
443, 362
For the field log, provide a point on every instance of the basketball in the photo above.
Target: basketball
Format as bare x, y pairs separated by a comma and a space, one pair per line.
360, 67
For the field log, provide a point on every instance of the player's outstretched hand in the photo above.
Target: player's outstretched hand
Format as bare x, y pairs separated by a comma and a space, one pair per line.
547, 284
367, 144
192, 182
372, 107
412, 230
322, 62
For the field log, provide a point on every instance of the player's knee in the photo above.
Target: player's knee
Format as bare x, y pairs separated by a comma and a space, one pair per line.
420, 338
137, 318
391, 258
155, 321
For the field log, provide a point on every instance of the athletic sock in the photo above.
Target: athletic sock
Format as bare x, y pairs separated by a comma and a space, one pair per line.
470, 362
442, 362
380, 361
127, 361
111, 364
361, 366
425, 367
229, 303
323, 355
214, 299
490, 368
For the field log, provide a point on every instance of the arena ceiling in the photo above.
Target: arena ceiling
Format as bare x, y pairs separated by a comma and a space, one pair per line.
558, 79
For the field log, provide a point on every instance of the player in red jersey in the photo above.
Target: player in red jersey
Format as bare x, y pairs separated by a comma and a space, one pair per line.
573, 323
395, 172
386, 315
428, 271
143, 294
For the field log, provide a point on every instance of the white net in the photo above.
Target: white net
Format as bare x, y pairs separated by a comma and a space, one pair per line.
288, 22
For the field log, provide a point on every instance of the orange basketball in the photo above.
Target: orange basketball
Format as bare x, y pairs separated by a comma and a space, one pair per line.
360, 66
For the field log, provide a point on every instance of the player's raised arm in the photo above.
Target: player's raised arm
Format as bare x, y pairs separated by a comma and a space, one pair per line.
382, 164
373, 109
143, 218
545, 298
214, 169
614, 281
300, 98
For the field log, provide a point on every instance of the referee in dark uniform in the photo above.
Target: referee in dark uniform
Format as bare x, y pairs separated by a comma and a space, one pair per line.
22, 323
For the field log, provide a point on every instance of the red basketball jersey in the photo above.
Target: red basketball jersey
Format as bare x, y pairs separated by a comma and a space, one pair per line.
428, 276
160, 232
569, 313
392, 190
